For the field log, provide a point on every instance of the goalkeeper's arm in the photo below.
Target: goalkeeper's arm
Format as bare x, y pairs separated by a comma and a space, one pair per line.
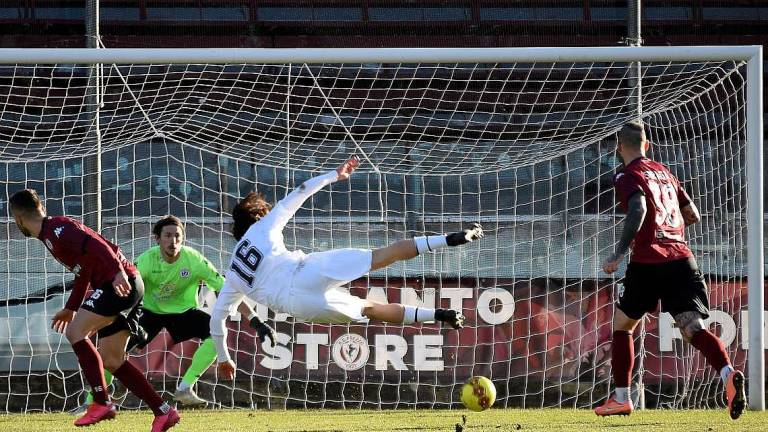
288, 206
225, 302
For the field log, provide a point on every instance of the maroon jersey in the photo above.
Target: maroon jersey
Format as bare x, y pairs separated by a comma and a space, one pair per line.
92, 259
662, 236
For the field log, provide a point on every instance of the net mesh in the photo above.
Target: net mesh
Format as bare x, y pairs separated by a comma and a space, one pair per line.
526, 149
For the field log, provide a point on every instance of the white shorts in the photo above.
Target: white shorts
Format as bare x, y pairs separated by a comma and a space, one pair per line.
315, 292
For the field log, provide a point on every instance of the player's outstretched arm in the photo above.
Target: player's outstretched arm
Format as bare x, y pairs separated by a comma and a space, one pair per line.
636, 209
288, 206
225, 302
690, 214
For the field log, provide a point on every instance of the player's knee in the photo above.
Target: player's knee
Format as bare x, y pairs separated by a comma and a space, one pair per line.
689, 324
380, 258
622, 322
74, 334
369, 308
113, 360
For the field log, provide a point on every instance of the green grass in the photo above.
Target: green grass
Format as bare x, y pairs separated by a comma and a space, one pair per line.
404, 420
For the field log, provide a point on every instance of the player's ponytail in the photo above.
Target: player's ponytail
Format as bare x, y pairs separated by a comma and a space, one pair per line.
247, 212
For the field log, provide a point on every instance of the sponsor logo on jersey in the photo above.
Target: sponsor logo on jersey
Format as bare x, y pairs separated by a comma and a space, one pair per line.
184, 273
89, 302
164, 291
620, 288
350, 351
58, 231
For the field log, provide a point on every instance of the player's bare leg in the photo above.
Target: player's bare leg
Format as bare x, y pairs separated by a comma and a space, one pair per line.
112, 350
691, 325
398, 251
622, 351
384, 312
407, 249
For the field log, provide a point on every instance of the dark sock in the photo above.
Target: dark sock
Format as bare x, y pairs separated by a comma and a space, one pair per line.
622, 357
92, 366
712, 348
137, 383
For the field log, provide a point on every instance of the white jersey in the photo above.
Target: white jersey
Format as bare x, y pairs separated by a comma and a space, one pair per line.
261, 265
263, 270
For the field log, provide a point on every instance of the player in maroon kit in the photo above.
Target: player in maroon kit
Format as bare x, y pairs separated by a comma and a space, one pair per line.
661, 268
110, 310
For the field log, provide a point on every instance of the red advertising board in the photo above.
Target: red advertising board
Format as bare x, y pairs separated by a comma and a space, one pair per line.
515, 328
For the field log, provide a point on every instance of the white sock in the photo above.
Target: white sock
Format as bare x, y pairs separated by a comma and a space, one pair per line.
414, 314
725, 371
182, 386
425, 314
622, 394
426, 244
409, 314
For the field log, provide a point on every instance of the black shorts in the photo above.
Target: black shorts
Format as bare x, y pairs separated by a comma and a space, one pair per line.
678, 284
193, 323
105, 302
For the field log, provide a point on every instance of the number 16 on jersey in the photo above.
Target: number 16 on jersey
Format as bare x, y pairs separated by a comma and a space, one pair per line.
246, 261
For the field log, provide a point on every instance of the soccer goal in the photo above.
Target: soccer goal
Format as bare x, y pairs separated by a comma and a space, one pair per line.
521, 140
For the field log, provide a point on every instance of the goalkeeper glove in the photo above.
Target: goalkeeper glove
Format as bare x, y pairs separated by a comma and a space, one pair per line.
263, 331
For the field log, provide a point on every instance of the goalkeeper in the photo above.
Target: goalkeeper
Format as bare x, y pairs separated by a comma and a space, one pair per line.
172, 274
308, 286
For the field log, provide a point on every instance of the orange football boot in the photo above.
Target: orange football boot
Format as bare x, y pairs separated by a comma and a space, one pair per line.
734, 394
613, 407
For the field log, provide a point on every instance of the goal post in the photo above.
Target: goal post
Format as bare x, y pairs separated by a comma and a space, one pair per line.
444, 132
755, 210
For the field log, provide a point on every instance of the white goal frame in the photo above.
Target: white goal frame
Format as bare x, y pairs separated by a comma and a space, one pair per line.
752, 55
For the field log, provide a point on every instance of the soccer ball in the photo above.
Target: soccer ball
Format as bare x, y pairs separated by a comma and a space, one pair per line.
478, 394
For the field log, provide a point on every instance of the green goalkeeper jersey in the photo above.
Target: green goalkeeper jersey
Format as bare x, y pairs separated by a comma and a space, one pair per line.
173, 288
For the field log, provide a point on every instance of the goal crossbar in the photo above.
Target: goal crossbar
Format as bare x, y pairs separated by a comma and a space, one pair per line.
380, 55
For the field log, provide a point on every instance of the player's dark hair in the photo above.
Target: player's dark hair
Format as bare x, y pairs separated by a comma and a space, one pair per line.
169, 220
247, 212
27, 202
632, 134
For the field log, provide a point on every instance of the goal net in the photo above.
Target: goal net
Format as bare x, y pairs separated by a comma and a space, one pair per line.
525, 148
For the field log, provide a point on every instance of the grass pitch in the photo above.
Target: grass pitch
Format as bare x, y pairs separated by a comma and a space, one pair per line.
403, 420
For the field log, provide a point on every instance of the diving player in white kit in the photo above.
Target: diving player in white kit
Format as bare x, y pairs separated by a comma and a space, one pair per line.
308, 286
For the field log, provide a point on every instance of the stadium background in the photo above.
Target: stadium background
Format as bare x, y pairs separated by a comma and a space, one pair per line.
337, 23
